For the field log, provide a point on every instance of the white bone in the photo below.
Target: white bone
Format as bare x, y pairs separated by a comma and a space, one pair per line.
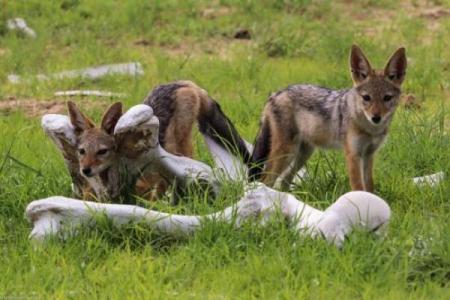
132, 69
21, 25
259, 202
61, 131
231, 166
249, 146
134, 117
430, 180
14, 78
186, 170
184, 167
298, 178
58, 126
354, 209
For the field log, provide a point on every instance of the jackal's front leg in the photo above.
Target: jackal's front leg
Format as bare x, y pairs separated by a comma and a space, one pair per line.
367, 169
354, 167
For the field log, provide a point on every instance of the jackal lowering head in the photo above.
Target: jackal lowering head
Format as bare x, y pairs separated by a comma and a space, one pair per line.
178, 106
301, 117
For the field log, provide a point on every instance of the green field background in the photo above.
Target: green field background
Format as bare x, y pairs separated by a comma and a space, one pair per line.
302, 41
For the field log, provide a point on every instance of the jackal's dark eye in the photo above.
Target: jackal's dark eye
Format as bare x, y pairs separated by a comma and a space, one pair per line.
387, 98
366, 97
81, 151
102, 151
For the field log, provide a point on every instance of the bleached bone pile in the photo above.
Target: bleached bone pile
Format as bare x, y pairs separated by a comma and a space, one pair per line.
137, 134
138, 130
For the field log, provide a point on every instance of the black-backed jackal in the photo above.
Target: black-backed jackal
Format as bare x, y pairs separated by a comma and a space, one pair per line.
302, 117
178, 106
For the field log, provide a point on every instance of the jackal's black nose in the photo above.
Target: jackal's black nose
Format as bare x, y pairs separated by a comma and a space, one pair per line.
376, 119
87, 171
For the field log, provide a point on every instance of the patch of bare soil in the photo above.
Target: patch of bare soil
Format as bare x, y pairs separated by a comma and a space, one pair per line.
3, 51
142, 42
435, 13
410, 101
221, 47
216, 12
429, 11
38, 108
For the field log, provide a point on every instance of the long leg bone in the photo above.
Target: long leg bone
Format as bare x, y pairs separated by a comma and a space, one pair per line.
352, 209
232, 167
137, 133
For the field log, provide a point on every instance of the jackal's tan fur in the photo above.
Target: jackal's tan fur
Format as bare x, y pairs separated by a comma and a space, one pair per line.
301, 117
178, 105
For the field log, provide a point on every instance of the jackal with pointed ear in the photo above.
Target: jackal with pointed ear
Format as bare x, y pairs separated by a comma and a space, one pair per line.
302, 117
97, 148
178, 106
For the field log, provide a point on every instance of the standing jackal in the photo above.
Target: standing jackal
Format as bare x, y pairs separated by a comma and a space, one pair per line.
301, 117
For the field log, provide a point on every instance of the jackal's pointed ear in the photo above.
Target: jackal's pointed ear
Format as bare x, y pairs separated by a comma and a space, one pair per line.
395, 69
359, 65
111, 117
79, 121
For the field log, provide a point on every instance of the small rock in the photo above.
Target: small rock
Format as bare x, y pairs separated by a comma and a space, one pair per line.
14, 78
242, 34
142, 42
430, 180
92, 73
410, 102
20, 25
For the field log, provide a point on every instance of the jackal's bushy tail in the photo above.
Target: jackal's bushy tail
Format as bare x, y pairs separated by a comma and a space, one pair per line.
260, 151
216, 125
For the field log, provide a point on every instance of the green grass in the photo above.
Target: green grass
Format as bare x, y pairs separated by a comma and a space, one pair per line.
292, 42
